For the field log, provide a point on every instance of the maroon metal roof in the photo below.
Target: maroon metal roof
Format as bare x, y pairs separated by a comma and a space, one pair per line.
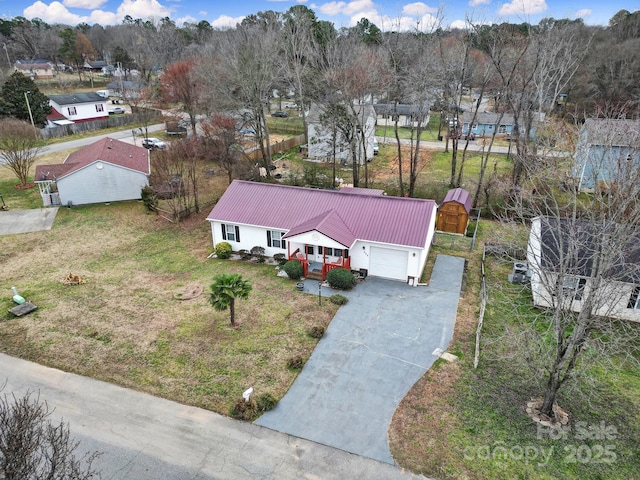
361, 191
377, 218
106, 150
329, 224
459, 195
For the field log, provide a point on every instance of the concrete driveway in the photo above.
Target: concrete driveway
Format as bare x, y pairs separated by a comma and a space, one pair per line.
376, 347
23, 221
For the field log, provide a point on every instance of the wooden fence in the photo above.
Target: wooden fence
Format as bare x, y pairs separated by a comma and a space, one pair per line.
277, 147
483, 306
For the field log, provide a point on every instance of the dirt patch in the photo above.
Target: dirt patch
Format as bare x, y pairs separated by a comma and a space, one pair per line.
188, 293
26, 186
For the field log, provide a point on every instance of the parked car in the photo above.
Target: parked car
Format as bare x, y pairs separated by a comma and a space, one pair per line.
247, 131
116, 111
152, 142
280, 114
291, 105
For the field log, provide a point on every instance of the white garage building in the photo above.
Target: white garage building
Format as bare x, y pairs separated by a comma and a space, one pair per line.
358, 229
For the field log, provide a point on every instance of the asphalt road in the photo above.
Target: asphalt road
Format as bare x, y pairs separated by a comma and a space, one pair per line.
142, 437
124, 135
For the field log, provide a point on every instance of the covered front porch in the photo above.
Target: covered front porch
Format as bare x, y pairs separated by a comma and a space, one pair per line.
318, 260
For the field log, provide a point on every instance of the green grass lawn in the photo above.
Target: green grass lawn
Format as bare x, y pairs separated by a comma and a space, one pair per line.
462, 423
125, 326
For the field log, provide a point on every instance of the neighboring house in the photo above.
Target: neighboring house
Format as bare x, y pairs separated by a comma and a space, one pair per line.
453, 212
105, 171
35, 69
357, 229
78, 107
549, 250
606, 148
486, 123
96, 66
323, 142
407, 115
126, 88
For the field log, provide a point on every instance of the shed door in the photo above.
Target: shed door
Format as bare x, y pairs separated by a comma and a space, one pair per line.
388, 263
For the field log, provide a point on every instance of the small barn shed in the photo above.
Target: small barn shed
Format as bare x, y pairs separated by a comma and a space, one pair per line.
453, 212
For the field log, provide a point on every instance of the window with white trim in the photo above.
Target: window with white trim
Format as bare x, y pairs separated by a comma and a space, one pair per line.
99, 107
230, 233
72, 110
573, 287
275, 240
634, 300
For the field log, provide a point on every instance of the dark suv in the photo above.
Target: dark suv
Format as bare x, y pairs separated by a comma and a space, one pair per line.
280, 114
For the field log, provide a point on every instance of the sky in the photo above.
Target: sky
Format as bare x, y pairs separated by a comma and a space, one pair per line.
386, 14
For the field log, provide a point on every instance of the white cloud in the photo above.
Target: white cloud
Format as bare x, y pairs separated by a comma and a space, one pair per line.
585, 12
417, 8
354, 8
88, 4
523, 7
225, 21
459, 24
475, 3
188, 19
143, 9
202, 13
55, 12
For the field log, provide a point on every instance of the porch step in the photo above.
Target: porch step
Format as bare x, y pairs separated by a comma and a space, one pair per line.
314, 275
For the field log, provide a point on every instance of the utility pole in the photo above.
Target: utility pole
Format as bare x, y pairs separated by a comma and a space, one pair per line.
26, 97
4, 45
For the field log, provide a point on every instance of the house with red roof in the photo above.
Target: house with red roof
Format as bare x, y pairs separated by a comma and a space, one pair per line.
106, 171
358, 229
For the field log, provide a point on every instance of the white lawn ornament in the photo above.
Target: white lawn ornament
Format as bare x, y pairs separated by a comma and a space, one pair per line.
247, 394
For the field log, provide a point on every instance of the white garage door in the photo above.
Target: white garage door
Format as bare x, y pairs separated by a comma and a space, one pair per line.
388, 263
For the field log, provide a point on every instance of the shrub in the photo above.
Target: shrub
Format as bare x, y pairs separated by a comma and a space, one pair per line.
244, 254
149, 198
295, 363
340, 278
245, 410
258, 253
266, 402
223, 250
316, 332
338, 299
281, 258
294, 269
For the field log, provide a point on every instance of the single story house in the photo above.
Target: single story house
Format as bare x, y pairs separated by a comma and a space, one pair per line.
605, 150
561, 256
35, 69
105, 171
363, 231
126, 88
454, 211
323, 143
486, 123
77, 107
95, 66
407, 115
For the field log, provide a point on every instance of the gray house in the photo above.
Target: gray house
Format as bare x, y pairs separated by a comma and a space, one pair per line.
324, 141
105, 171
606, 149
407, 115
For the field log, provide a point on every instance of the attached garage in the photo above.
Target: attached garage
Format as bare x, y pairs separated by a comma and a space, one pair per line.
388, 263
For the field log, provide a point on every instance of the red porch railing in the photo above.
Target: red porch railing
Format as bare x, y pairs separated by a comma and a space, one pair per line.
297, 255
328, 266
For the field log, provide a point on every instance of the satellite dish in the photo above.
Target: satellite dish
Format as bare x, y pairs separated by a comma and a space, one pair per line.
247, 394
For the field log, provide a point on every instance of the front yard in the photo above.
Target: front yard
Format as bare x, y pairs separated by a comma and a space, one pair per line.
124, 325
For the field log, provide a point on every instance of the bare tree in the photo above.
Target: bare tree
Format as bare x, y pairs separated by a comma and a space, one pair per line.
181, 84
19, 147
583, 253
221, 139
34, 448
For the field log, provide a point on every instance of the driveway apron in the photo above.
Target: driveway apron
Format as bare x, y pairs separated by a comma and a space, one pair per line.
376, 347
